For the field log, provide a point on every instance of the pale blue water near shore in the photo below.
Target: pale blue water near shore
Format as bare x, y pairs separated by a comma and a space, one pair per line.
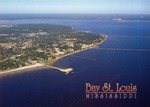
52, 88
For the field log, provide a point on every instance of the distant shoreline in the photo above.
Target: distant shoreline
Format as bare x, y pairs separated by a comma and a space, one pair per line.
26, 20
124, 20
39, 65
134, 21
23, 20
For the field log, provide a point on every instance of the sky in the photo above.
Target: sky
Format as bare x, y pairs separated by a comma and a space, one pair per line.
76, 6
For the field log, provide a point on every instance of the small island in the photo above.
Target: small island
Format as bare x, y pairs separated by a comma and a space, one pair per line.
35, 45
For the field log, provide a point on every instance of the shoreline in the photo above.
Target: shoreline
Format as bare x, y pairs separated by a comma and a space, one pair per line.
95, 46
37, 65
16, 70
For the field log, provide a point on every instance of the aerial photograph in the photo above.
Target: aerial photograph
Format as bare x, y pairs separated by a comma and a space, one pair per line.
74, 53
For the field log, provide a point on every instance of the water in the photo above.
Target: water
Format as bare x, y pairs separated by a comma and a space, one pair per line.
52, 88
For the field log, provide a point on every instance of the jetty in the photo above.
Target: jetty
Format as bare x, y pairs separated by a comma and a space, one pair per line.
66, 71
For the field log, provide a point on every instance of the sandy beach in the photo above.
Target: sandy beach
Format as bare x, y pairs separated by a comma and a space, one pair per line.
21, 69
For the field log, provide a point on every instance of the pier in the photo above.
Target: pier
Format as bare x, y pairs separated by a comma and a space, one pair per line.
125, 36
123, 49
66, 71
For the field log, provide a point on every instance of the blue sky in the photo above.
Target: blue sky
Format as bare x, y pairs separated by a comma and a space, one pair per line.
75, 6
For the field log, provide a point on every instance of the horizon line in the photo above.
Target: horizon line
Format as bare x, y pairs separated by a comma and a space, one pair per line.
87, 13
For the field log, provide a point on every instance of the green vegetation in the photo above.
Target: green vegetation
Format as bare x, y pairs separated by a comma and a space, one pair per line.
22, 45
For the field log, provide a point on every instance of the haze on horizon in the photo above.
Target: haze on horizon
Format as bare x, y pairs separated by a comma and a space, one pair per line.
76, 6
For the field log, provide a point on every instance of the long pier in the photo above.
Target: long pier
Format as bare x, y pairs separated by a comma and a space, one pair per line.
123, 49
125, 36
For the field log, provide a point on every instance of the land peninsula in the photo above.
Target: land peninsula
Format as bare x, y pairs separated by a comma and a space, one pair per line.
40, 45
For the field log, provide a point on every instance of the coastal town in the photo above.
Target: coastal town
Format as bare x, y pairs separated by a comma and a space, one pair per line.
26, 45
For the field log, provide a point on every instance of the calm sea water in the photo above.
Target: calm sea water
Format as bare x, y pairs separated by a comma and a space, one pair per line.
52, 88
